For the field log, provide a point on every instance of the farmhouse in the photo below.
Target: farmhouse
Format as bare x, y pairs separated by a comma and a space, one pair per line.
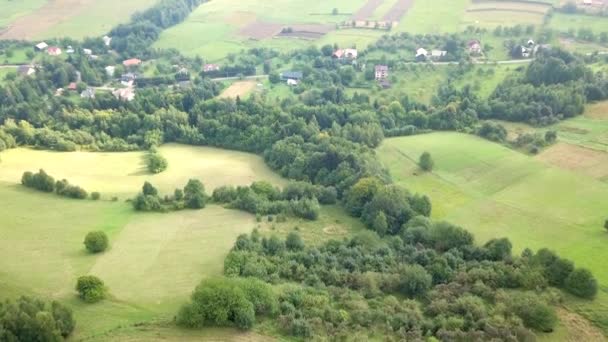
474, 46
53, 51
437, 54
87, 52
421, 53
107, 40
211, 67
128, 79
41, 46
381, 72
345, 54
292, 82
26, 70
124, 94
292, 75
110, 69
131, 62
72, 86
69, 50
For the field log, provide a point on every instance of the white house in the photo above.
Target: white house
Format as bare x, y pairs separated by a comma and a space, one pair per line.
421, 52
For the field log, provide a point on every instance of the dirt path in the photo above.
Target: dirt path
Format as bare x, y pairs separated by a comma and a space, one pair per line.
367, 10
398, 10
53, 13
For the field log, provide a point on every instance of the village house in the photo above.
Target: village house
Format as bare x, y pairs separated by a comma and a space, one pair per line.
72, 86
291, 82
124, 94
345, 54
474, 46
292, 75
87, 52
107, 40
131, 62
88, 93
41, 46
421, 54
128, 79
211, 67
69, 50
381, 72
438, 54
26, 70
110, 69
53, 51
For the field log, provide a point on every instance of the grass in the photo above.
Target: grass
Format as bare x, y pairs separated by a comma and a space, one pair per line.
212, 30
96, 18
11, 10
122, 174
153, 264
564, 22
496, 192
434, 16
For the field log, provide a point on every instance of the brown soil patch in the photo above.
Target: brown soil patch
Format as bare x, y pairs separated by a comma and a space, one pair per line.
240, 88
51, 14
308, 31
261, 30
597, 110
367, 10
398, 10
579, 329
576, 158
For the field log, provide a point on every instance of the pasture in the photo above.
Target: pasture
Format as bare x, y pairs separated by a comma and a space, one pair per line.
221, 27
566, 22
153, 263
12, 10
66, 18
122, 174
496, 192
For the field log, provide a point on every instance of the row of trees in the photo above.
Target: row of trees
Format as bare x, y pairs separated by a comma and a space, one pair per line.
32, 319
43, 182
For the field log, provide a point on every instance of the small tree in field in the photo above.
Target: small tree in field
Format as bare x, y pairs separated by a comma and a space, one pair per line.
90, 289
606, 224
426, 163
96, 242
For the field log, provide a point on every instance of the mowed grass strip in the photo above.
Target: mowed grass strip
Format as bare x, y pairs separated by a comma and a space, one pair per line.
122, 174
496, 192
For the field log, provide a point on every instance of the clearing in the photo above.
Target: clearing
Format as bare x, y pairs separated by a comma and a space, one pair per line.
122, 174
240, 89
496, 192
68, 18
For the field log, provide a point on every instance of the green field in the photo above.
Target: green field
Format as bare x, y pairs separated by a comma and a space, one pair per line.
496, 192
564, 22
96, 19
213, 29
11, 10
122, 174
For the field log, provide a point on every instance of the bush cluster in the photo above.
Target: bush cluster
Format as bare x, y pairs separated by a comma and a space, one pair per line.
228, 302
31, 319
91, 289
299, 199
156, 162
193, 196
96, 242
43, 182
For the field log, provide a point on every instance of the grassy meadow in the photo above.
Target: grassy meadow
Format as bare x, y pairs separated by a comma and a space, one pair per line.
122, 174
496, 192
564, 22
11, 10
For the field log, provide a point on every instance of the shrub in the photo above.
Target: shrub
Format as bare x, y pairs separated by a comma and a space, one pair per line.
581, 283
194, 194
90, 289
426, 162
294, 242
95, 196
534, 313
415, 281
156, 162
96, 242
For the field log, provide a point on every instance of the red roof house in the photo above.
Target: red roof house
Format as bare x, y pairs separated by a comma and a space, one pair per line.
131, 62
